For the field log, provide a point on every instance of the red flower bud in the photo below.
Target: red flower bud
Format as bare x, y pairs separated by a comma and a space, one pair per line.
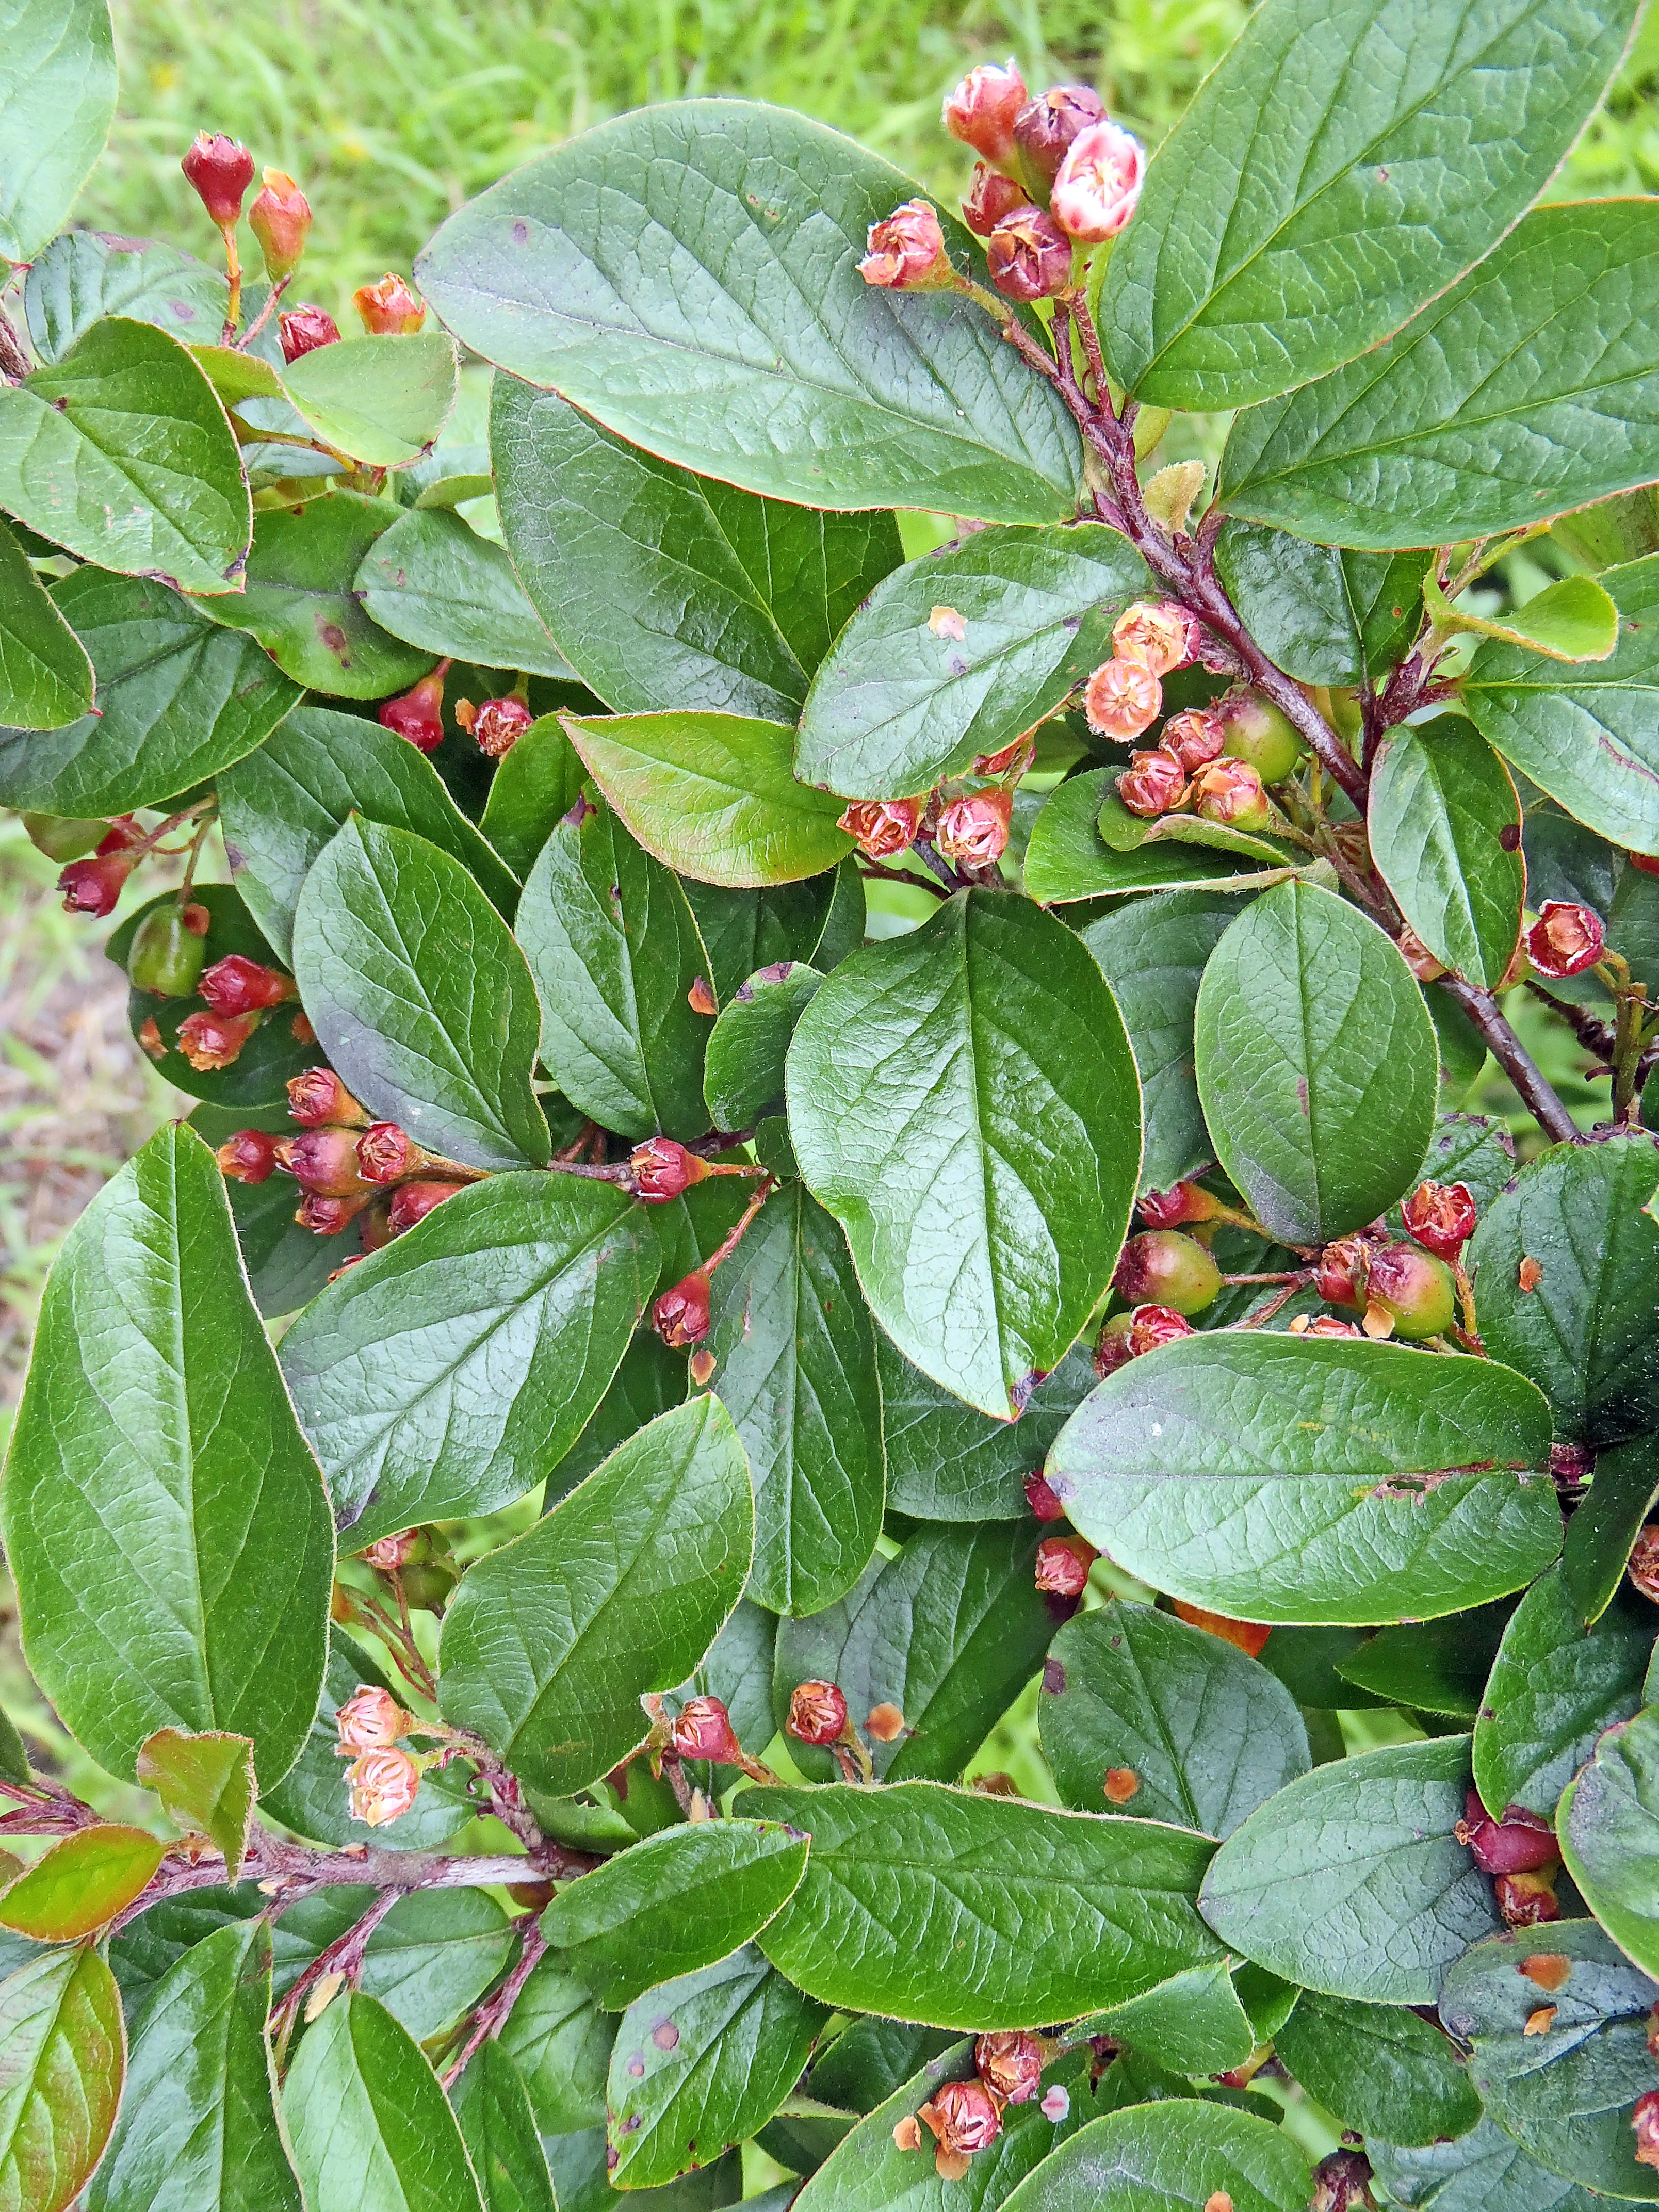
1045, 128
681, 1315
304, 328
235, 985
385, 1153
1041, 1498
222, 171
1645, 2118
498, 725
882, 827
248, 1157
990, 196
1413, 1292
1521, 1843
419, 713
704, 1731
389, 309
328, 1217
1122, 699
1165, 1268
1194, 737
1098, 183
974, 831
982, 109
1063, 1565
210, 1040
818, 1713
413, 1201
907, 251
279, 219
319, 1097
388, 1553
1566, 938
661, 1169
1256, 732
1029, 256
1643, 1568
1441, 1216
964, 2117
94, 887
1010, 2062
1526, 1900
1183, 1201
1159, 638
1230, 792
1128, 1335
1153, 783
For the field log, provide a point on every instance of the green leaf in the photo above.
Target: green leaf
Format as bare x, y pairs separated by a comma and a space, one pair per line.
14, 1758
432, 580
1584, 1332
1322, 615
498, 2127
1175, 2155
1123, 832
688, 275
1622, 528
1194, 2023
1601, 1532
1554, 1687
550, 1642
1430, 1665
82, 1882
369, 2128
1586, 736
122, 453
713, 796
45, 677
670, 590
872, 2057
1296, 1479
1564, 2091
1609, 1828
1351, 1880
907, 696
178, 699
964, 1910
1206, 1732
700, 2062
57, 103
419, 996
948, 1461
675, 1903
1021, 1170
614, 951
1571, 619
1479, 2170
206, 1786
818, 921
561, 2043
743, 1070
532, 790
1382, 2069
950, 1631
1067, 858
430, 1960
1316, 1064
85, 274
795, 1367
1521, 391
1152, 952
165, 1524
450, 1371
197, 2130
300, 605
382, 400
578, 2162
1445, 831
282, 805
63, 2056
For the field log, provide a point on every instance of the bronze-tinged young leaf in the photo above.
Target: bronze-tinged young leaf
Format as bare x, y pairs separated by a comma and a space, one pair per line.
206, 1786
63, 2058
45, 677
58, 84
1176, 2153
368, 2127
1444, 824
80, 1884
1609, 1824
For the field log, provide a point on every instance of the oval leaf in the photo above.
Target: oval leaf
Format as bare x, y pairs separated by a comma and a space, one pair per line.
63, 2055
382, 400
498, 2127
368, 2126
1609, 1828
81, 1883
743, 1070
1067, 858
948, 1461
432, 580
1177, 2153
45, 677
206, 1786
57, 102
1444, 824
1382, 2069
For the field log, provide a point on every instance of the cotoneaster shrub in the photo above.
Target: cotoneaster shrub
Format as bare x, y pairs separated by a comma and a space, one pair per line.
1081, 1279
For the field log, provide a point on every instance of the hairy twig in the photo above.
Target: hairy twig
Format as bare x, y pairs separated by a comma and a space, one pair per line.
490, 2017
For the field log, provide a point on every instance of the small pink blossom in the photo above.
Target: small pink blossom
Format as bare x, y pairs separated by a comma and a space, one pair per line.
1099, 183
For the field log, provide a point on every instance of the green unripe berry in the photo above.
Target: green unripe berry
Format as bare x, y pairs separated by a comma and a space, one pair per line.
427, 1585
1259, 734
165, 957
1416, 1291
1165, 1268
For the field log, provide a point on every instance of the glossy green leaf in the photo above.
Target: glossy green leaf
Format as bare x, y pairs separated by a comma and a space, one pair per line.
382, 400
1554, 1687
206, 1786
368, 2127
818, 921
57, 103
1175, 2155
950, 1631
1444, 824
561, 2043
550, 1642
1571, 619
870, 2058
666, 589
85, 274
1309, 1479
1564, 2091
1473, 2173
14, 1758
908, 696
1322, 615
282, 805
419, 997
1205, 1731
948, 1461
1585, 1331
430, 1960
1521, 391
122, 453
795, 1367
178, 698
82, 1882
532, 790
197, 2130
713, 796
1067, 858
63, 2057
45, 677
1316, 1064
165, 1524
964, 1910
452, 1371
1430, 1665
1020, 1173
1124, 832
1609, 1828
432, 580
1607, 1522
578, 2162
498, 2127
1194, 2023
743, 1069
1381, 2070
614, 951
1584, 735
688, 275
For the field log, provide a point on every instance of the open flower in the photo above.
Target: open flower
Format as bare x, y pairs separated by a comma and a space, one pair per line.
383, 1786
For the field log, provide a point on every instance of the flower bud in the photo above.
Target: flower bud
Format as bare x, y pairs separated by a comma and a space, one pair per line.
387, 1554
1183, 1201
1526, 1900
385, 1153
1122, 699
222, 171
882, 827
1063, 1565
497, 726
1011, 2061
1521, 1843
964, 2117
704, 1731
1415, 1291
1153, 783
680, 1315
1441, 1216
1230, 792
383, 1786
248, 1157
1164, 1267
413, 1201
982, 109
329, 1217
210, 1040
1194, 737
325, 1161
1255, 731
319, 1097
1159, 638
1029, 256
907, 251
419, 713
1340, 1275
1046, 127
166, 955
1128, 1335
305, 328
371, 1719
661, 1169
279, 219
1645, 2118
94, 887
1098, 183
236, 985
389, 309
990, 196
1643, 1567
818, 1713
1042, 1498
1566, 938
973, 832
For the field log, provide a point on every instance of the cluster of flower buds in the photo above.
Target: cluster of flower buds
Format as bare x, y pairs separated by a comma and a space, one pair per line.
1566, 938
382, 1779
419, 713
342, 1161
970, 832
1401, 1290
1217, 760
496, 726
1163, 1268
221, 170
1520, 1853
93, 886
1142, 1329
1150, 640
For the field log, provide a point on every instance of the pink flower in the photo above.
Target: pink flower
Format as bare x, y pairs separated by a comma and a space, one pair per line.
1566, 938
371, 1719
1099, 183
1122, 699
975, 830
1162, 637
907, 250
882, 827
1153, 783
981, 111
1029, 256
383, 1786
388, 1553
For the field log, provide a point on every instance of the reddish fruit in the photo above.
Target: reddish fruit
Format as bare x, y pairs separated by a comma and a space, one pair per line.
386, 1153
907, 251
413, 1201
327, 1216
1098, 183
661, 1168
248, 1157
1128, 1335
389, 309
222, 171
1566, 938
235, 985
1182, 1202
1154, 783
1256, 732
1163, 1268
94, 887
1521, 1843
704, 1731
680, 1315
818, 1713
1042, 1498
305, 328
319, 1097
1010, 2062
1339, 1276
419, 713
1230, 792
990, 196
1415, 1291
279, 219
982, 110
1122, 699
1441, 1216
210, 1040
882, 827
973, 832
1063, 1565
1029, 256
1046, 127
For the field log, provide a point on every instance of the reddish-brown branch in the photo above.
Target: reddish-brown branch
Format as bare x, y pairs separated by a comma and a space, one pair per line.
490, 2017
